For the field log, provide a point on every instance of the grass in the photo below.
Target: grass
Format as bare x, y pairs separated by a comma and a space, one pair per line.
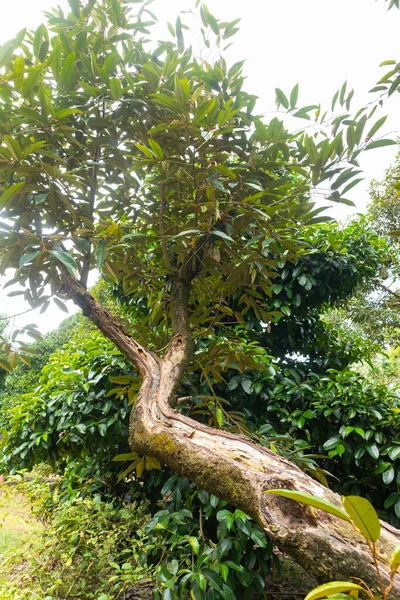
18, 532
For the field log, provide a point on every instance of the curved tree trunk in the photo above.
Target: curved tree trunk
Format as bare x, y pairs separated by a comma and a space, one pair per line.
233, 467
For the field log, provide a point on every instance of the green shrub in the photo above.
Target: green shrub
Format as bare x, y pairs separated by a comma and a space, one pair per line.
90, 549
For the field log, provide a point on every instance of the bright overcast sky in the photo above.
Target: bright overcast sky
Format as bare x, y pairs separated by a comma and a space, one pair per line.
316, 43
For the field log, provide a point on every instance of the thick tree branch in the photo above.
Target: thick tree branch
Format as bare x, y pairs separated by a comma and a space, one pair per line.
110, 327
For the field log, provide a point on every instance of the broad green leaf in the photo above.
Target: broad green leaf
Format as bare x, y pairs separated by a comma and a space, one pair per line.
67, 78
363, 515
10, 192
310, 500
334, 587
281, 98
194, 542
60, 305
294, 94
126, 456
380, 144
166, 102
13, 147
116, 88
27, 258
202, 111
66, 112
188, 232
155, 146
222, 235
377, 126
395, 559
33, 148
145, 150
100, 254
388, 476
66, 259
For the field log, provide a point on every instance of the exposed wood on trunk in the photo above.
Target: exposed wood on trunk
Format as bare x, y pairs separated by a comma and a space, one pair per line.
231, 466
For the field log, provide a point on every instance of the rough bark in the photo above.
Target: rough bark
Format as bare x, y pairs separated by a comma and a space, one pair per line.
231, 466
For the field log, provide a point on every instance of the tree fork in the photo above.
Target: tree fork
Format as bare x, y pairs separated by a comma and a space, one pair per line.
232, 466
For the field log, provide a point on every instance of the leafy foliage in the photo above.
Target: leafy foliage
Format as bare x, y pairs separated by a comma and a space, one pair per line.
73, 417
363, 517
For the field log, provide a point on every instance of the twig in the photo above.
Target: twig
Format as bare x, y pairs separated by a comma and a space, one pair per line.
166, 258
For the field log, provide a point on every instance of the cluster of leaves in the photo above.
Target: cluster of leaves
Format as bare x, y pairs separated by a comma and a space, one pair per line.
341, 415
25, 377
96, 168
76, 410
205, 548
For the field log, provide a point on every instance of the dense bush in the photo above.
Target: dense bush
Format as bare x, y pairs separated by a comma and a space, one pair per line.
340, 415
76, 410
92, 548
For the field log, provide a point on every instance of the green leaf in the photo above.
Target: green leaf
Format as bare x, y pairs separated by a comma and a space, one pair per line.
187, 232
334, 587
126, 456
166, 102
116, 88
68, 72
310, 500
145, 150
202, 111
100, 254
363, 515
332, 442
41, 36
221, 234
281, 99
395, 559
13, 147
380, 144
67, 260
4, 364
194, 542
388, 476
373, 451
155, 146
60, 305
294, 94
375, 127
66, 112
394, 452
27, 258
258, 538
32, 148
10, 192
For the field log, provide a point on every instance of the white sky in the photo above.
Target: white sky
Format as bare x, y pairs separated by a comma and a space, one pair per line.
316, 43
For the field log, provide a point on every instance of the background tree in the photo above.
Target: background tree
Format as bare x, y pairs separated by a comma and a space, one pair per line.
151, 165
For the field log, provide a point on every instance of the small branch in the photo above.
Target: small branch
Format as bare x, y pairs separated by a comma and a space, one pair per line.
387, 289
92, 201
18, 314
167, 261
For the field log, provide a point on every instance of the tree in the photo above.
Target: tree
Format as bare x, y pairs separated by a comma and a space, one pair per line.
152, 165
